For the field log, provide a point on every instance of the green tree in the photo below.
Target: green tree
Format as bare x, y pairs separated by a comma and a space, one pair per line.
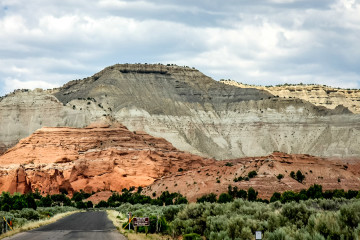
252, 194
46, 201
224, 198
5, 207
211, 197
252, 174
241, 194
299, 176
89, 204
275, 197
102, 204
30, 200
80, 205
288, 196
314, 191
19, 203
181, 200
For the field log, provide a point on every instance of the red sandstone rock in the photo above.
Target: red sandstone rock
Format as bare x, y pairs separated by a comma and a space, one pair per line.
99, 196
194, 183
105, 158
92, 159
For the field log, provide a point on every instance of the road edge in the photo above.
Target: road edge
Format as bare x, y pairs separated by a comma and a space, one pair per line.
32, 225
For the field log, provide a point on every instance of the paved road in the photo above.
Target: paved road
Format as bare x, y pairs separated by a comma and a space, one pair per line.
86, 225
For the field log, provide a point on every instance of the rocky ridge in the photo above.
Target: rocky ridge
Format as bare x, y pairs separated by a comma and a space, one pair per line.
319, 95
92, 159
192, 111
106, 158
215, 178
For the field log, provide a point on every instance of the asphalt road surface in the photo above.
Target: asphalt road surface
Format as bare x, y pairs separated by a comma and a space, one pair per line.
85, 225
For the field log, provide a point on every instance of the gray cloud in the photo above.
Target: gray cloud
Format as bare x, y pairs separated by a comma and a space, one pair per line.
46, 43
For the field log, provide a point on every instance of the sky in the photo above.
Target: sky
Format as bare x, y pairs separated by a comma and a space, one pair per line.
46, 43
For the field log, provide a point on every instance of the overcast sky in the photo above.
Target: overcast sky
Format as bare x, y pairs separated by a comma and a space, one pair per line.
46, 43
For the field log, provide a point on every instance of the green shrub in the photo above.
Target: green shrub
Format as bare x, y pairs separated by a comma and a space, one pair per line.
171, 211
327, 224
350, 214
238, 179
297, 214
19, 203
216, 224
89, 204
19, 222
339, 193
192, 236
299, 176
211, 197
351, 194
29, 214
224, 198
252, 174
221, 235
229, 164
5, 207
288, 196
102, 204
45, 201
80, 205
237, 228
278, 234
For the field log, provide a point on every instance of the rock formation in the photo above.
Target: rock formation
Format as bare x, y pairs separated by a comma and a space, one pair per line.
319, 95
192, 111
215, 178
103, 158
92, 159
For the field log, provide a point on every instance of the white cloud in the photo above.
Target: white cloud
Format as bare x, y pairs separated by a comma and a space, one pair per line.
256, 42
11, 84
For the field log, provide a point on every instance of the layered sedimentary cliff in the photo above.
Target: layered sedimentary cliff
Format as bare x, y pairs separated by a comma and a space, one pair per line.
192, 111
92, 159
319, 95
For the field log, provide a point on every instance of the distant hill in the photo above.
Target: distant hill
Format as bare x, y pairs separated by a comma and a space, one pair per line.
192, 111
319, 95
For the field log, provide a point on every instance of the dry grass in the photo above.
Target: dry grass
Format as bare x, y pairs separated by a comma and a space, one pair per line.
131, 235
35, 224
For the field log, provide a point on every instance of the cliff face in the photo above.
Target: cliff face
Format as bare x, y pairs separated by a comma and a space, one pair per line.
318, 95
92, 159
190, 110
23, 112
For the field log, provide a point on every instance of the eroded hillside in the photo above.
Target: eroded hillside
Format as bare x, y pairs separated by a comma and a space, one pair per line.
109, 158
319, 95
96, 158
192, 111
